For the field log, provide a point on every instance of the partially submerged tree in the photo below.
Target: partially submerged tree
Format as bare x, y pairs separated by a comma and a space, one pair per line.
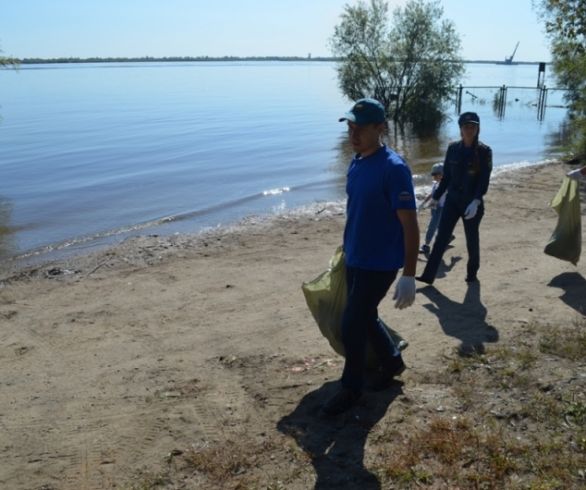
411, 64
565, 24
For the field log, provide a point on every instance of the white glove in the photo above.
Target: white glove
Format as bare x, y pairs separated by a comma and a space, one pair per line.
576, 174
405, 292
472, 209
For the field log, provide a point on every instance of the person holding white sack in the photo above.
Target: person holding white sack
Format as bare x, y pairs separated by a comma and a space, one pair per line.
381, 237
467, 168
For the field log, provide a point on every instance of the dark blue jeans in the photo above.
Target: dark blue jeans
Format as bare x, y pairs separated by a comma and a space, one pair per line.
366, 289
451, 213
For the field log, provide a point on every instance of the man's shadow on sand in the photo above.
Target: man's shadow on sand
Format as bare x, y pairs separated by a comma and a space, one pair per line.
335, 445
574, 286
465, 321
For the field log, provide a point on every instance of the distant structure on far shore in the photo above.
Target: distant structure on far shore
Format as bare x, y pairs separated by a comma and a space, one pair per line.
509, 59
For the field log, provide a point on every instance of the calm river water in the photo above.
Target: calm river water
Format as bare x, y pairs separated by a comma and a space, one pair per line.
93, 153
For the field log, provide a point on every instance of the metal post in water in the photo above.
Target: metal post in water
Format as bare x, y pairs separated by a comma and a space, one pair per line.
459, 99
541, 75
542, 103
501, 100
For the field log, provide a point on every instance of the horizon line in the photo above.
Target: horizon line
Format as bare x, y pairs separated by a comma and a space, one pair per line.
96, 59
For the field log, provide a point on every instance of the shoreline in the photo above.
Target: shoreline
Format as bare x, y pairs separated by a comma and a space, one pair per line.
59, 256
77, 258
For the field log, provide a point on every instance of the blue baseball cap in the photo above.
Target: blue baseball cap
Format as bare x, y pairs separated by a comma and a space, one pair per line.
365, 111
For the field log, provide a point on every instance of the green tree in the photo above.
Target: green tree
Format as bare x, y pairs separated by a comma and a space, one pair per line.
410, 63
8, 62
565, 24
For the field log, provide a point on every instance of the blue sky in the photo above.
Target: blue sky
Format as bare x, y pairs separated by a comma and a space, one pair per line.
81, 28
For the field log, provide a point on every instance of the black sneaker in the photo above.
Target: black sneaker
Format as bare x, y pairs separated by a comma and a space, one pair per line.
424, 249
343, 400
424, 279
398, 366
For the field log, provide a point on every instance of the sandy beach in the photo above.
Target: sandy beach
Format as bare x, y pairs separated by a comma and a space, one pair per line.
117, 364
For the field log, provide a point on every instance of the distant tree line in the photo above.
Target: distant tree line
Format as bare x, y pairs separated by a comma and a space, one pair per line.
150, 59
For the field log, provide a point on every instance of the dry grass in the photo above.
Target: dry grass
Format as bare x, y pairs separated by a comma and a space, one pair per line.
452, 453
568, 343
234, 464
149, 481
512, 430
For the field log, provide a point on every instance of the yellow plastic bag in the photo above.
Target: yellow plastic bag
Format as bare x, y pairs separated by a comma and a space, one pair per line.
566, 240
326, 299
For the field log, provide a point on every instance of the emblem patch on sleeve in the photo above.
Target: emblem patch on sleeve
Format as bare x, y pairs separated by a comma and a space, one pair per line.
405, 196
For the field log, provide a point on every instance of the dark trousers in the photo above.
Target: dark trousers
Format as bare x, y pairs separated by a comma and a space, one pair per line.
360, 323
451, 213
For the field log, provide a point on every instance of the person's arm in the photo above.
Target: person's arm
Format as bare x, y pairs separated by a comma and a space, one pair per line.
485, 156
408, 219
485, 171
400, 187
405, 291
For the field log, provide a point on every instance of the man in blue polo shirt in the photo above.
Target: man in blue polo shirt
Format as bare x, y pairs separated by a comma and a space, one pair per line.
381, 236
